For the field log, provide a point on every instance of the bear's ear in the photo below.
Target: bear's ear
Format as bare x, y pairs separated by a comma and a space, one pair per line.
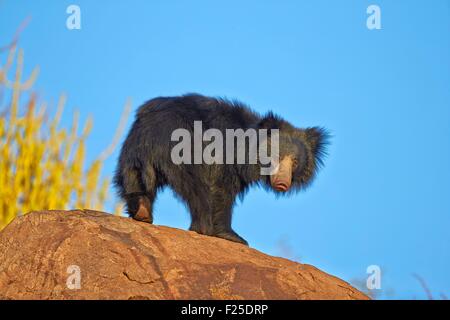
270, 121
317, 138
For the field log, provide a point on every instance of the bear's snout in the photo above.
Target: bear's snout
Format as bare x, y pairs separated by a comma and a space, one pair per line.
282, 179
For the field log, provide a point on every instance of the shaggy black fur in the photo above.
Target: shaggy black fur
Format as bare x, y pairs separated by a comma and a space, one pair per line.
210, 191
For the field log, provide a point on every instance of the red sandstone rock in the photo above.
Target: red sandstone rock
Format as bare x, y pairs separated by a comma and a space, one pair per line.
119, 258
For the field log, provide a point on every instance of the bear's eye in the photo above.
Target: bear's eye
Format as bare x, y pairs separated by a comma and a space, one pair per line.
294, 163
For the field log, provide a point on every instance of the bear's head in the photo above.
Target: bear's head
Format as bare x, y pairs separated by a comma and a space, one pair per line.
301, 153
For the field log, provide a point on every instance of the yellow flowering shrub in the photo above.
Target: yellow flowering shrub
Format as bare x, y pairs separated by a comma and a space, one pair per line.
42, 166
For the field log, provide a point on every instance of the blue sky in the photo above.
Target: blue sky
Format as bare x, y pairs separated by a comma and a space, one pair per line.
383, 196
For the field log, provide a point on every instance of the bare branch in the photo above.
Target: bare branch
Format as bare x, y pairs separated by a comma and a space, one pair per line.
120, 129
16, 36
424, 286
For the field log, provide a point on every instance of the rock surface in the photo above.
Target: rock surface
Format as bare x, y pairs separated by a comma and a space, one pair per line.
44, 254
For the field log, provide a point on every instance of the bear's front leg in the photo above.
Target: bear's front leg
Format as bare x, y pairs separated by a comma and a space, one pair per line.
211, 214
222, 220
231, 235
201, 220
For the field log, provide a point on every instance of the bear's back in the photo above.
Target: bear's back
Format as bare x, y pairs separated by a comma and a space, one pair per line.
182, 111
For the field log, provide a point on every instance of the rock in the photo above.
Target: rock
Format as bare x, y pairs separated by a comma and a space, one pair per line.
44, 254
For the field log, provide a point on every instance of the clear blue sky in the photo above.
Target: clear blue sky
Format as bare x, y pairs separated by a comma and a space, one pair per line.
383, 197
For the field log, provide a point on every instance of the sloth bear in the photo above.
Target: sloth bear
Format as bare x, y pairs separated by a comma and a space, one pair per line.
150, 158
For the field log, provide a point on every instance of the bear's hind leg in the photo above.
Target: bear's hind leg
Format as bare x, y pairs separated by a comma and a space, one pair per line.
140, 187
139, 207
